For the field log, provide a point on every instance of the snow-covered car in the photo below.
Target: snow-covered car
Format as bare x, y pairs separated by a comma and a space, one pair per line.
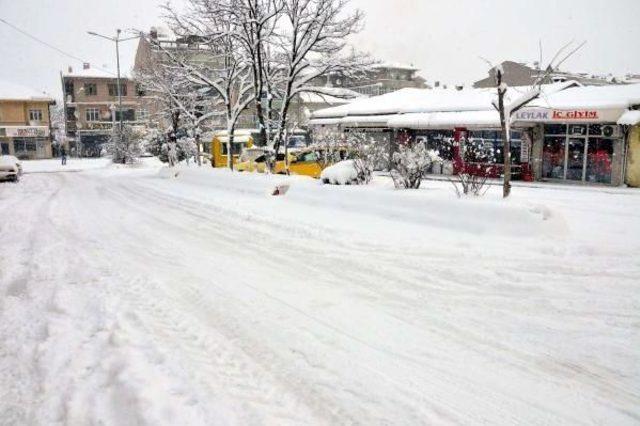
346, 172
10, 168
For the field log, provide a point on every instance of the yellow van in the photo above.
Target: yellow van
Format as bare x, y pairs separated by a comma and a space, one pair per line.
311, 161
242, 139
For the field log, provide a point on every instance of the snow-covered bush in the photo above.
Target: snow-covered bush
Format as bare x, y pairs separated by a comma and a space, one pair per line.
465, 183
335, 146
125, 145
188, 147
347, 172
468, 184
410, 163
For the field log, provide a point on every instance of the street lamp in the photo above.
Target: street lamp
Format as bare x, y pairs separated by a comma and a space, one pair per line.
117, 40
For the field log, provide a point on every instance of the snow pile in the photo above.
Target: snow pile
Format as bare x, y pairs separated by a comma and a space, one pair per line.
341, 173
55, 165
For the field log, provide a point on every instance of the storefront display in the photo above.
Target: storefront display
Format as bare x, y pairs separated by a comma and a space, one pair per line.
579, 152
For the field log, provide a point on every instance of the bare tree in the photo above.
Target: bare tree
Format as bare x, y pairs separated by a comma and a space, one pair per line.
227, 74
178, 104
256, 22
507, 110
311, 43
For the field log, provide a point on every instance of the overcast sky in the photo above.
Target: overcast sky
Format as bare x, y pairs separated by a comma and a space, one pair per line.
442, 37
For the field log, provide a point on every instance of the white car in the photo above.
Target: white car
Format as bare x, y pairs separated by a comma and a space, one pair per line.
10, 168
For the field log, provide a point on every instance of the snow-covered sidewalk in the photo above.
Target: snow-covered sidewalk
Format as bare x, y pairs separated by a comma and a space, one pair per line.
127, 297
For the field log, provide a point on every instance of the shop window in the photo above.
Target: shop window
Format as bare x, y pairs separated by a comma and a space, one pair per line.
577, 130
595, 130
553, 154
4, 148
599, 158
35, 115
92, 114
90, 89
24, 146
555, 129
439, 141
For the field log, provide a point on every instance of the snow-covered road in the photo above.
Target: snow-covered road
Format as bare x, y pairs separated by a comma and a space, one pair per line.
130, 298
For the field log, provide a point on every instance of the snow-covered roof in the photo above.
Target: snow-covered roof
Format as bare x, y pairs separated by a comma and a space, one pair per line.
630, 118
396, 65
620, 96
412, 100
17, 92
95, 73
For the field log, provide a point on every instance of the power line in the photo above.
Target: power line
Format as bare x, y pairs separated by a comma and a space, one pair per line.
69, 55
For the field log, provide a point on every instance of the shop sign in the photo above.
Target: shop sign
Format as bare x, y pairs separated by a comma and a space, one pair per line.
590, 115
532, 115
27, 132
546, 115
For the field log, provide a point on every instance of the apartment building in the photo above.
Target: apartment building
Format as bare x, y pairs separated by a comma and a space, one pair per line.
91, 108
25, 124
522, 74
379, 79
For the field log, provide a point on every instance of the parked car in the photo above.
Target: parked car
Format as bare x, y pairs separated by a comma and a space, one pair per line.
259, 163
10, 168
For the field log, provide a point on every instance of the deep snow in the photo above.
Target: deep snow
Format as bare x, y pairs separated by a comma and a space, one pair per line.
129, 296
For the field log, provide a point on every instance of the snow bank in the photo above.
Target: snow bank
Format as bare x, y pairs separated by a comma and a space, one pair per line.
55, 165
377, 206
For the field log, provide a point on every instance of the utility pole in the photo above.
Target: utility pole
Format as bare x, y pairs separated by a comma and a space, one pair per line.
117, 40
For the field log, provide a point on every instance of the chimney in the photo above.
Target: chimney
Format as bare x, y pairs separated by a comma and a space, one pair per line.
86, 65
70, 69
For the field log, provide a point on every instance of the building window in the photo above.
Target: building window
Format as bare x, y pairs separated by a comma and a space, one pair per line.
127, 115
92, 114
142, 114
35, 115
90, 89
113, 89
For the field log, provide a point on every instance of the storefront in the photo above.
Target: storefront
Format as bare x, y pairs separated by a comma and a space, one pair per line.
587, 135
26, 142
581, 152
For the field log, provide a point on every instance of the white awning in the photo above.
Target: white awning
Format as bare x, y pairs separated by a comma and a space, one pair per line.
447, 120
366, 120
353, 121
630, 118
324, 121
